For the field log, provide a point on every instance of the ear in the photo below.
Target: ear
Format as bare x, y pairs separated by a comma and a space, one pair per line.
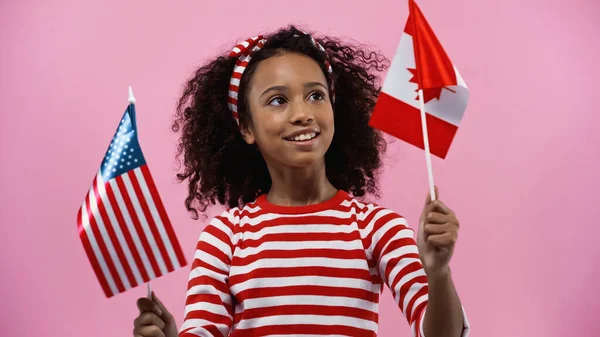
248, 135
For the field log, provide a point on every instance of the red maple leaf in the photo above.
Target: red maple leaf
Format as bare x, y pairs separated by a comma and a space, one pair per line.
428, 94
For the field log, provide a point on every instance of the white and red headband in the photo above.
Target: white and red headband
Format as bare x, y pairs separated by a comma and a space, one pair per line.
243, 52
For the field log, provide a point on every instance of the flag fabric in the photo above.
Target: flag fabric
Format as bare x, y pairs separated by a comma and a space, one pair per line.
420, 62
122, 222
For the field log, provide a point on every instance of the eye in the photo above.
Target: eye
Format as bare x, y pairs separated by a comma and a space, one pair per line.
276, 101
316, 96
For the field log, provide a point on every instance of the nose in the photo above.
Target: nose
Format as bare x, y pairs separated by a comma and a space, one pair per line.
301, 114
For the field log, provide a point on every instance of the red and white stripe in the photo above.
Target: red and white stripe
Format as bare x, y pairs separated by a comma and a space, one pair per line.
266, 270
126, 233
242, 51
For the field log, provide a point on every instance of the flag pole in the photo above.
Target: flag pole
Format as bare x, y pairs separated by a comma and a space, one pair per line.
132, 101
426, 146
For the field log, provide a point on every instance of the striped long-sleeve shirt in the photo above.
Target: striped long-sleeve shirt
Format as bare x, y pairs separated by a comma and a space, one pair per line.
268, 270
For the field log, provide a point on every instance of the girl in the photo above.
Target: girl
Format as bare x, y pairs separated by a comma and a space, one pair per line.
278, 131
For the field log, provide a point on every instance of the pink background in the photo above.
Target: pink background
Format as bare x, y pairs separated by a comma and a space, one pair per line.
522, 174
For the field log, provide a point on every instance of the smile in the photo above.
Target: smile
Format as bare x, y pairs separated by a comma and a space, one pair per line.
303, 137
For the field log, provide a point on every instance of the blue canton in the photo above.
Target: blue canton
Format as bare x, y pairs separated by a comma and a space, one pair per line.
124, 153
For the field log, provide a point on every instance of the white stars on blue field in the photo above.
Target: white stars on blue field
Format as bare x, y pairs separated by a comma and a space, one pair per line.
124, 153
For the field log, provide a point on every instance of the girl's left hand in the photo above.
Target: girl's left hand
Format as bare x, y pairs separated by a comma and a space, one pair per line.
438, 232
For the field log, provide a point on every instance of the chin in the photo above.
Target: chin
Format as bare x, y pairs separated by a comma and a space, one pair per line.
305, 160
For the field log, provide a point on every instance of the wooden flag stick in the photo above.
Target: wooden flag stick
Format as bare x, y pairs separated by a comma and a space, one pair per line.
149, 290
426, 143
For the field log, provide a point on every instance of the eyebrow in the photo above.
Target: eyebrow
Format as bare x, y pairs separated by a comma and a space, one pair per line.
283, 87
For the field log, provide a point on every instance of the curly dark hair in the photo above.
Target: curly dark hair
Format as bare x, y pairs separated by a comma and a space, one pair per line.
221, 166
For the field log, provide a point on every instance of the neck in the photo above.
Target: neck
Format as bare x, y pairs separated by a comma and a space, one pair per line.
300, 186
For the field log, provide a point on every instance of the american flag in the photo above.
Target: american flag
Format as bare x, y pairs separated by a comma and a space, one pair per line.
122, 222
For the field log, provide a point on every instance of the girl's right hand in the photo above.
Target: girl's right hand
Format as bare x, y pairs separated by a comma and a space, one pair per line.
154, 319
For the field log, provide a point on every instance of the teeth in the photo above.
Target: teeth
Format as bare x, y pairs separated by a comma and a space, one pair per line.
306, 136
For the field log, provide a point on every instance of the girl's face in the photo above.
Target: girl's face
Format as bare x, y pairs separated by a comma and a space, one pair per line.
292, 116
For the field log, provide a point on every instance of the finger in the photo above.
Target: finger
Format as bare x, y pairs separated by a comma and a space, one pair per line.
148, 318
440, 240
437, 218
165, 313
439, 206
429, 208
151, 331
146, 305
435, 229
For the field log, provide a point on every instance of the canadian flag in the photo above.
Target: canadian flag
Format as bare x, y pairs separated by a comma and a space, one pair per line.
421, 63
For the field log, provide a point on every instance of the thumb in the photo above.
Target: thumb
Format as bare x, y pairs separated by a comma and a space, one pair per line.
437, 195
165, 313
146, 305
423, 219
